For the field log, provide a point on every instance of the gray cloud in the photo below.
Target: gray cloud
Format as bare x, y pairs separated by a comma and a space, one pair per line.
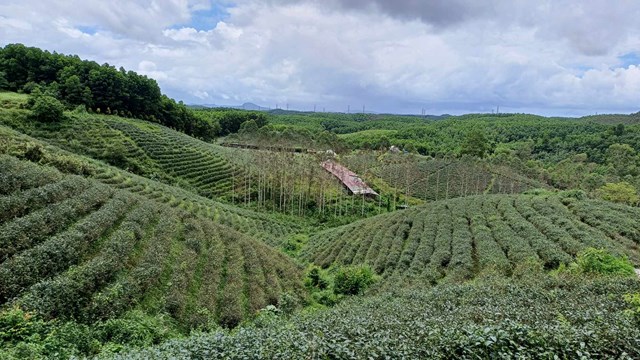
441, 13
590, 27
551, 56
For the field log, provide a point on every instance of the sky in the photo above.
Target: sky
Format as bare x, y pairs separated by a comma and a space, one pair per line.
549, 57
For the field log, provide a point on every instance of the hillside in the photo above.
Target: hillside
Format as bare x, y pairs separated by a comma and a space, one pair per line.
533, 318
142, 147
263, 226
73, 248
461, 238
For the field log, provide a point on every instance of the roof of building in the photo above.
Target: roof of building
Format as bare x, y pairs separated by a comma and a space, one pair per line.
350, 179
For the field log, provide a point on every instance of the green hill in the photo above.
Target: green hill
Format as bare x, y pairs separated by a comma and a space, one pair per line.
461, 238
75, 248
138, 146
117, 233
263, 226
528, 319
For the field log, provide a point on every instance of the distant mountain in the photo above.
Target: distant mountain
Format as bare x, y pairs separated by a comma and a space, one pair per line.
245, 106
252, 106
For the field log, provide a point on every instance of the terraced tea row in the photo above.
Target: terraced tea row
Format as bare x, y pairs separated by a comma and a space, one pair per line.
437, 179
144, 148
534, 319
460, 238
74, 248
181, 156
265, 227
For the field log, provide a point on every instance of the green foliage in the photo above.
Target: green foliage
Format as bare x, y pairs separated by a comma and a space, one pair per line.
80, 82
231, 121
621, 192
352, 280
633, 300
459, 239
316, 278
294, 243
47, 109
73, 249
493, 319
475, 144
4, 84
17, 325
623, 158
248, 127
600, 261
24, 334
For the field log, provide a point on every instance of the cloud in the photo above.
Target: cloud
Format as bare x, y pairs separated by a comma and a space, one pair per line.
400, 56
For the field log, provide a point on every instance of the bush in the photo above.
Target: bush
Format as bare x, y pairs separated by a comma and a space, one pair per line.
316, 279
621, 192
47, 109
18, 325
634, 301
353, 280
599, 261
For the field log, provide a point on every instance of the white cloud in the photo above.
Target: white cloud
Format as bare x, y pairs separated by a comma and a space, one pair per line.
391, 56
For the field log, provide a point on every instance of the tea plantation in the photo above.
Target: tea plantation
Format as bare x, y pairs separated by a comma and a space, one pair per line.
74, 248
461, 238
122, 238
534, 318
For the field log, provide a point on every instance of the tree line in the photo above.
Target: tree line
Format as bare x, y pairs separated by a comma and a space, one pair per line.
107, 90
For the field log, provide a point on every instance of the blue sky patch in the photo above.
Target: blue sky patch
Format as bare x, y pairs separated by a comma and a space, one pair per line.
90, 30
207, 19
629, 59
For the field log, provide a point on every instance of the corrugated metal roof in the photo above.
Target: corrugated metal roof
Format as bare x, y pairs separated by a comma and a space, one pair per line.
350, 179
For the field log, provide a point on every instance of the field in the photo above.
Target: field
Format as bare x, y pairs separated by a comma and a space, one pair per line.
461, 238
267, 227
120, 237
66, 237
141, 147
531, 318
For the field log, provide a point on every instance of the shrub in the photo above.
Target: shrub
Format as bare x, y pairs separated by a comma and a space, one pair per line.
634, 301
621, 192
599, 261
18, 325
316, 279
353, 280
47, 109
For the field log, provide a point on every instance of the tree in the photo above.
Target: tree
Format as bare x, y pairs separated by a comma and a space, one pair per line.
475, 144
621, 192
623, 159
248, 127
73, 90
4, 84
47, 109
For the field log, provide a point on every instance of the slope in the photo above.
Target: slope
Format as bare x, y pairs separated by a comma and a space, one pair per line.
460, 238
265, 227
138, 146
535, 319
74, 248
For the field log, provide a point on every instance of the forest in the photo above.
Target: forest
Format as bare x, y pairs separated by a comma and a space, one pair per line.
133, 227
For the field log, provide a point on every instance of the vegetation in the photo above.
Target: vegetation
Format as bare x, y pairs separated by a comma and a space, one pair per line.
111, 251
540, 317
127, 231
599, 261
101, 88
47, 109
459, 239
